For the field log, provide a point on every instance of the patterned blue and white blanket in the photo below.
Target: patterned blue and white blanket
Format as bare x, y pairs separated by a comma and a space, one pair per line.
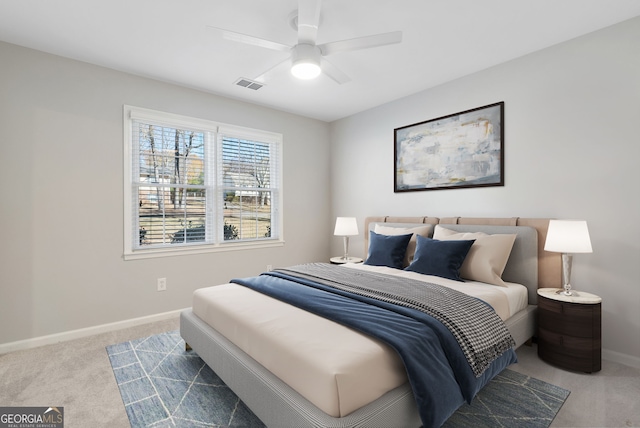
451, 344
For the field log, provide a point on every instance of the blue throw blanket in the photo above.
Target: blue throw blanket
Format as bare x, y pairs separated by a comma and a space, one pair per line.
439, 373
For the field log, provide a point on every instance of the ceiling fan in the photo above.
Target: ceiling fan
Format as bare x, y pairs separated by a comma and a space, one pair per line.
308, 58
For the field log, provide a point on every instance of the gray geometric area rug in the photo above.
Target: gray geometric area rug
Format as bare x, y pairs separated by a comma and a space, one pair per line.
162, 385
511, 399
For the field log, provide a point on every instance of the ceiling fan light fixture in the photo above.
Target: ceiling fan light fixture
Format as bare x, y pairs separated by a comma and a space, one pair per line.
305, 61
305, 70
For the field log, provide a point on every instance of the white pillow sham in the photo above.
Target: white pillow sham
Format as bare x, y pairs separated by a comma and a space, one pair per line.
487, 257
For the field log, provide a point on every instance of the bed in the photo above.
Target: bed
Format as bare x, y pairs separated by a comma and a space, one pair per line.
338, 376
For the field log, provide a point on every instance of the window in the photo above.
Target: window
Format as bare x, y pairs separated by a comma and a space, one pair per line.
193, 185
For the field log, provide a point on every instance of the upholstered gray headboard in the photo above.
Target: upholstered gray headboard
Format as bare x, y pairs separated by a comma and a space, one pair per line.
528, 263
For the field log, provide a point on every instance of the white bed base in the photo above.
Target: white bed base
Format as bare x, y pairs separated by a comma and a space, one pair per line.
277, 405
273, 401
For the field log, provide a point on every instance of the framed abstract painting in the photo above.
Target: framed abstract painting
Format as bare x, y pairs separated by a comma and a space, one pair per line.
460, 150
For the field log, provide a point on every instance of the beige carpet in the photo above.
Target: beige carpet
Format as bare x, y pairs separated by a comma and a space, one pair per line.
77, 375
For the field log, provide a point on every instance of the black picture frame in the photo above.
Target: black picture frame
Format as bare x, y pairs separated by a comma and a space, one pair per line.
460, 150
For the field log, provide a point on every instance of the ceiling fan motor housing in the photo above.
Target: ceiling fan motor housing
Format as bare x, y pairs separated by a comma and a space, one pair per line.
305, 61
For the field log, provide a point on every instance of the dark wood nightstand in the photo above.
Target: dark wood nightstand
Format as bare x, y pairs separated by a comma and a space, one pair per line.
569, 330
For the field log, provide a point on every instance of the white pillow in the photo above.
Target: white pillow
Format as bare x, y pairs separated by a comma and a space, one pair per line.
487, 257
411, 248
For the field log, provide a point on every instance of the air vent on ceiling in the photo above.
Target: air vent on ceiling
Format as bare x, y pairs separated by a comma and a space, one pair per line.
248, 83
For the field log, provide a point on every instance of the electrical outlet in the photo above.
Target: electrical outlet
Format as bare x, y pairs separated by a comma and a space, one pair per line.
269, 268
162, 284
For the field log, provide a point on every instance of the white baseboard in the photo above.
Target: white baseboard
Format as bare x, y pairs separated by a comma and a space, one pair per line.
84, 332
617, 357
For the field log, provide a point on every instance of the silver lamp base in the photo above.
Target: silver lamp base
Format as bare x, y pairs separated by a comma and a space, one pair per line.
346, 249
566, 275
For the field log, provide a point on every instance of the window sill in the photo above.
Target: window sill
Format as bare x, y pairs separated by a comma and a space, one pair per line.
191, 250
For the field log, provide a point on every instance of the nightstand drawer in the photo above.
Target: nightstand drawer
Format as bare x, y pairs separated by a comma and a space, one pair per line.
572, 353
569, 318
566, 308
570, 345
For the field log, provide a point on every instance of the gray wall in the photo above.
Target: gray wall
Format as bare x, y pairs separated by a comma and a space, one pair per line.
61, 215
572, 150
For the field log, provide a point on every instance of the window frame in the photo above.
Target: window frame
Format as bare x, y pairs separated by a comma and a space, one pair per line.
215, 131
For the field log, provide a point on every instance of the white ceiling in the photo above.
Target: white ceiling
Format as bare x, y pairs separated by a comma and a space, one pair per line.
168, 40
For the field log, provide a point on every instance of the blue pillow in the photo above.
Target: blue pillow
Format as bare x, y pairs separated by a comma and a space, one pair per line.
440, 258
387, 250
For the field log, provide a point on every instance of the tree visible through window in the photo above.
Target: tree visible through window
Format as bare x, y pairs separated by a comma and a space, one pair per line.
171, 187
246, 167
196, 183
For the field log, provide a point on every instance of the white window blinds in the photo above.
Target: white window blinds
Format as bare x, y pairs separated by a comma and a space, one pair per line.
198, 184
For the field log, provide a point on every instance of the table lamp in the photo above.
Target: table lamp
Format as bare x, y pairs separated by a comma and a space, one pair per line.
345, 227
567, 237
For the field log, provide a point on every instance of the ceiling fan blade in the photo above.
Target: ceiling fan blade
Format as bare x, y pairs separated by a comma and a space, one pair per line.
308, 20
250, 40
365, 42
266, 76
334, 72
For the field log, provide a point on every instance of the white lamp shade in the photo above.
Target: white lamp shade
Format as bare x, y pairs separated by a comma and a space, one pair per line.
346, 226
568, 236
